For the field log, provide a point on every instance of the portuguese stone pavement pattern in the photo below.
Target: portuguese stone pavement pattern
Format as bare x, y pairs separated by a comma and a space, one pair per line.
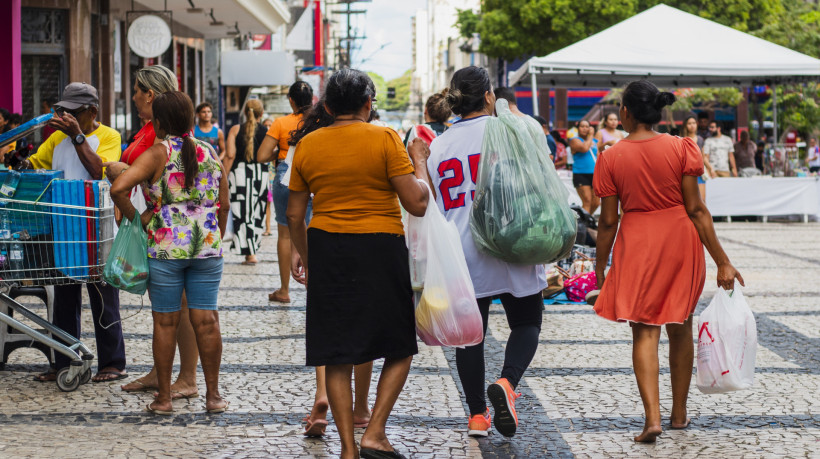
579, 396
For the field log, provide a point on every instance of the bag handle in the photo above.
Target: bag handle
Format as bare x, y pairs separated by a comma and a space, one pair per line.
562, 272
582, 256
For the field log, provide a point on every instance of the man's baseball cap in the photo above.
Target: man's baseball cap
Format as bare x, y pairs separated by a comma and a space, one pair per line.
75, 95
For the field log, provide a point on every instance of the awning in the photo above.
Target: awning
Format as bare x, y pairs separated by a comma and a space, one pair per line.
671, 48
249, 16
257, 68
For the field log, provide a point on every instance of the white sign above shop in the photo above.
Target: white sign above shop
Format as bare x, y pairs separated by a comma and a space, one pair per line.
149, 36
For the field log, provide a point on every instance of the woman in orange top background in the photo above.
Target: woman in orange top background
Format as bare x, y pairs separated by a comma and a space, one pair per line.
658, 266
300, 96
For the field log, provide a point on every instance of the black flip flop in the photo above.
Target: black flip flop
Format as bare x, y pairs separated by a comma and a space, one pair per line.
370, 453
118, 375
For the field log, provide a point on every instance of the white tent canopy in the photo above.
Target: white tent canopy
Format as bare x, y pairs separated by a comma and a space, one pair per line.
672, 48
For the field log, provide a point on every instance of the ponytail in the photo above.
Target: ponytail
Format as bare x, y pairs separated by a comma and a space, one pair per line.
189, 163
253, 110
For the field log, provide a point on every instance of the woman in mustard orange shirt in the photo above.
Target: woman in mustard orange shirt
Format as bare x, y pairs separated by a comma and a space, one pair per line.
275, 146
359, 299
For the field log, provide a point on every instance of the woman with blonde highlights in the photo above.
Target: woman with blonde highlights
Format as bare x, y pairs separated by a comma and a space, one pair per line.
248, 180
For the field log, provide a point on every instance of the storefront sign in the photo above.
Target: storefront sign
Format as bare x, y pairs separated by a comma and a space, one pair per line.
149, 36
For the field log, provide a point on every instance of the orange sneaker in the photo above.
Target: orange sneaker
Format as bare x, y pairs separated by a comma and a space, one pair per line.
502, 396
480, 424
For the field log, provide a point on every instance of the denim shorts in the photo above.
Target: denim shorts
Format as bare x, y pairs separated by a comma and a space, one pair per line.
198, 277
281, 195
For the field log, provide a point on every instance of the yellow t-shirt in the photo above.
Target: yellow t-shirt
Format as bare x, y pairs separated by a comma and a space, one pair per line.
280, 130
108, 149
348, 169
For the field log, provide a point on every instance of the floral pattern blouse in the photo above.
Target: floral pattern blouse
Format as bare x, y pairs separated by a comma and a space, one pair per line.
184, 224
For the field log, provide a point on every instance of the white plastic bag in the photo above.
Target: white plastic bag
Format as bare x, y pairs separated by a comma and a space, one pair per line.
446, 309
727, 344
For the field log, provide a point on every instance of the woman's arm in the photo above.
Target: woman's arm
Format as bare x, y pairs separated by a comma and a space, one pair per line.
146, 168
297, 210
732, 164
224, 202
412, 194
578, 147
266, 151
607, 228
230, 149
702, 220
220, 135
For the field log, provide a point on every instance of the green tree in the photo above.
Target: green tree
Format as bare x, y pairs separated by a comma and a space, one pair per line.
743, 15
402, 99
797, 27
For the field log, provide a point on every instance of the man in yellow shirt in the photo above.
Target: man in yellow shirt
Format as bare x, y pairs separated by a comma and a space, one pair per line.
79, 147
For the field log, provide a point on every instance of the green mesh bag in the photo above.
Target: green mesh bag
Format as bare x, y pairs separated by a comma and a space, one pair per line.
520, 213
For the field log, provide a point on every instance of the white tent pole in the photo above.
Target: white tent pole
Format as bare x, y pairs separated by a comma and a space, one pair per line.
774, 113
534, 86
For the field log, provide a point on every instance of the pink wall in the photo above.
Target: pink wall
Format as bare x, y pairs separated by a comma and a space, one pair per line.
11, 88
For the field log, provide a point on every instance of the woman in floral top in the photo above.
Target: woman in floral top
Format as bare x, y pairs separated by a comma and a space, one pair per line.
187, 194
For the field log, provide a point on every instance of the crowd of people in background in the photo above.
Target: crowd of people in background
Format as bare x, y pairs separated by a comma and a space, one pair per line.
340, 195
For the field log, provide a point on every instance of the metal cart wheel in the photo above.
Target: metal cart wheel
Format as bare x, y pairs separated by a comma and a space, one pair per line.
85, 377
64, 384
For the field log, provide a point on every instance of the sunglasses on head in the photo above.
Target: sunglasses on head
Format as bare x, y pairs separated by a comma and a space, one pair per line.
62, 110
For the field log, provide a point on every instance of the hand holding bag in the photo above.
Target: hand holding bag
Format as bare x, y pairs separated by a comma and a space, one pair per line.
127, 264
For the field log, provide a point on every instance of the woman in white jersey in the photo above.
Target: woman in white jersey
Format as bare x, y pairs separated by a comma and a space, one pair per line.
453, 166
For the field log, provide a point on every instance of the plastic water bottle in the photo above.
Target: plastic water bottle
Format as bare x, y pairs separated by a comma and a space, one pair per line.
5, 237
16, 256
9, 186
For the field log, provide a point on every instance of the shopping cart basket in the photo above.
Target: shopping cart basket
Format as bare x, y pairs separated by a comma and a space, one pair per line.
55, 243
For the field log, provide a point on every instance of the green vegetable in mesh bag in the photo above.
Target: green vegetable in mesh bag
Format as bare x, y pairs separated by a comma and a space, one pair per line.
127, 264
520, 213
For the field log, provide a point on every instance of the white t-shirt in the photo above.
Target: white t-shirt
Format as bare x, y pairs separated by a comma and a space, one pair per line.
814, 152
453, 166
719, 149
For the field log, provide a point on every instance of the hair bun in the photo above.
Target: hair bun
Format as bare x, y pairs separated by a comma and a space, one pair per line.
663, 99
454, 98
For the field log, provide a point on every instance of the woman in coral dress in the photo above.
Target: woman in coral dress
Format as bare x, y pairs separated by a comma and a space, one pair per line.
658, 266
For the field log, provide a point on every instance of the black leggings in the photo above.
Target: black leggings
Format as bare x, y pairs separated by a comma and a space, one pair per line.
524, 317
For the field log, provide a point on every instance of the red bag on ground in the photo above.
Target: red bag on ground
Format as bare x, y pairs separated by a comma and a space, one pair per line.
579, 285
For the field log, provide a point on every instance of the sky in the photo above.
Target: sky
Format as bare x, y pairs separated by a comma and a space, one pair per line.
387, 22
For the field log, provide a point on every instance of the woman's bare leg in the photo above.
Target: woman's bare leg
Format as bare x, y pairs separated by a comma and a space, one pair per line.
164, 341
681, 358
209, 341
283, 252
391, 382
319, 410
341, 403
361, 382
185, 385
645, 362
585, 193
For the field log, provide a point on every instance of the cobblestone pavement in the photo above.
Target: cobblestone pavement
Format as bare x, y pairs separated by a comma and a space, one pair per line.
579, 396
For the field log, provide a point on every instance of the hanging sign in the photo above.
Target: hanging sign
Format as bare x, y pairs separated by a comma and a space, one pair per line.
149, 36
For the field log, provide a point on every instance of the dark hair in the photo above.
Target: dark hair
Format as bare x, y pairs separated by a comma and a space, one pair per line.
316, 117
507, 94
686, 120
703, 116
174, 112
467, 89
437, 108
557, 136
302, 96
347, 91
5, 113
15, 118
542, 121
203, 105
645, 102
578, 124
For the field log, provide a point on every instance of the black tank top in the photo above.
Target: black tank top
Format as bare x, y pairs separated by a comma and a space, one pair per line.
258, 137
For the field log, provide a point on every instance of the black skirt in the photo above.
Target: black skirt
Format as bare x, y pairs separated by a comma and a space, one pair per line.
359, 299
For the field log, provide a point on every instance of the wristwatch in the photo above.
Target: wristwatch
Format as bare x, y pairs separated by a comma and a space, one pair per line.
78, 139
